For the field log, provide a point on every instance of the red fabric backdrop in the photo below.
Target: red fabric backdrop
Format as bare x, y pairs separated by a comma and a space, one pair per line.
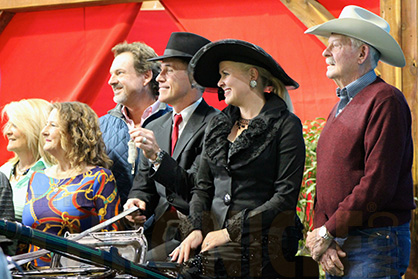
272, 26
151, 27
65, 54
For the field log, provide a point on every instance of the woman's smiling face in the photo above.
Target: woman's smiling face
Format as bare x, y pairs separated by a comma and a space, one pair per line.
234, 81
52, 135
17, 140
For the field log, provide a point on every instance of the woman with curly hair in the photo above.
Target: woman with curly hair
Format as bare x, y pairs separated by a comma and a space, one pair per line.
79, 191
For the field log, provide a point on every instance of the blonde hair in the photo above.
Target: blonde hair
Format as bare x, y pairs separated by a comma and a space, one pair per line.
268, 80
80, 135
29, 116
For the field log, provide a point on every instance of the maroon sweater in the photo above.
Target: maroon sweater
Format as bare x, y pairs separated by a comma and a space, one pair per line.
364, 157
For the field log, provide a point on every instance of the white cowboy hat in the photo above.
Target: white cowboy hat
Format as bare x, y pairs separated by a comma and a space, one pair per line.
367, 27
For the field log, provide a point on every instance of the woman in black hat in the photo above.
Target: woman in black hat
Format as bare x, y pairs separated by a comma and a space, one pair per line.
250, 171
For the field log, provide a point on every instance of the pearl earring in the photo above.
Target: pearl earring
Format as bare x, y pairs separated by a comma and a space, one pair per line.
253, 83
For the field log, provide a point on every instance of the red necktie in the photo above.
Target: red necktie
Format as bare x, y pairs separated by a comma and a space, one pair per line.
175, 134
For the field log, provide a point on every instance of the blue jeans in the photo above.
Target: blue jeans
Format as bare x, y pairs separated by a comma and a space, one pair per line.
377, 253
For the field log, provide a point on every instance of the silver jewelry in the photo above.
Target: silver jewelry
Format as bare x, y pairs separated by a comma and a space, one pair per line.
158, 159
323, 232
144, 140
253, 83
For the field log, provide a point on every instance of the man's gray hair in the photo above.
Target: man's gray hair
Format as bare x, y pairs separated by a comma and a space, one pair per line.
374, 53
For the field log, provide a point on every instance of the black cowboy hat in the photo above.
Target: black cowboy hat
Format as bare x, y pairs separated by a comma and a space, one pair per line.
182, 45
205, 63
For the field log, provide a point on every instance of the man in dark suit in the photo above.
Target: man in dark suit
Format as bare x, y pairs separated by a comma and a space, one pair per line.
171, 147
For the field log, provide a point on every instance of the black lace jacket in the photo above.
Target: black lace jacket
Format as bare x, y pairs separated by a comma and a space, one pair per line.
251, 185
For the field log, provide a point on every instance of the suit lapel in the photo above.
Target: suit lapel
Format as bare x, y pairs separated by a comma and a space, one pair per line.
194, 125
163, 134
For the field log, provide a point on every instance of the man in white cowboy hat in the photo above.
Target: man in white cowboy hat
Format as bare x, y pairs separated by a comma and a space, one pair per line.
364, 194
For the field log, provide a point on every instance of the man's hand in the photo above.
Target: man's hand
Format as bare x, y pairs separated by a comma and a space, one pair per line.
316, 244
137, 218
182, 252
330, 260
145, 140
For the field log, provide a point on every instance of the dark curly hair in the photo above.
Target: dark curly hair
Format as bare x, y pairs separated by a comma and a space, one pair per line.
80, 135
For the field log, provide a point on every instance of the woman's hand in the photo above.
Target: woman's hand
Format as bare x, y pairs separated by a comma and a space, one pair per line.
214, 239
182, 252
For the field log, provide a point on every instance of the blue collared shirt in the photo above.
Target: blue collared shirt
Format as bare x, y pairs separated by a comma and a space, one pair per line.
356, 86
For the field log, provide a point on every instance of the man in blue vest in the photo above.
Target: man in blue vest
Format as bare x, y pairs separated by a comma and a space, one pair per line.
136, 95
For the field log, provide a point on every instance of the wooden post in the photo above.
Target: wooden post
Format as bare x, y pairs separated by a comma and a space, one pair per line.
5, 18
402, 15
310, 13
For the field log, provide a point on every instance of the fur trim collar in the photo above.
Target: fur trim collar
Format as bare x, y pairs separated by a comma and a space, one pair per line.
253, 141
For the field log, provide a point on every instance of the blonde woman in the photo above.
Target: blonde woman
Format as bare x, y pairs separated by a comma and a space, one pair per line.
250, 170
78, 192
26, 118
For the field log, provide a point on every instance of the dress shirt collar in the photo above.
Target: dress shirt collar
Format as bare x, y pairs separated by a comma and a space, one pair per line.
356, 86
186, 114
147, 112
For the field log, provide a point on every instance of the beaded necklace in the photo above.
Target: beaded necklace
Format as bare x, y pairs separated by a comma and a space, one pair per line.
17, 174
242, 123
